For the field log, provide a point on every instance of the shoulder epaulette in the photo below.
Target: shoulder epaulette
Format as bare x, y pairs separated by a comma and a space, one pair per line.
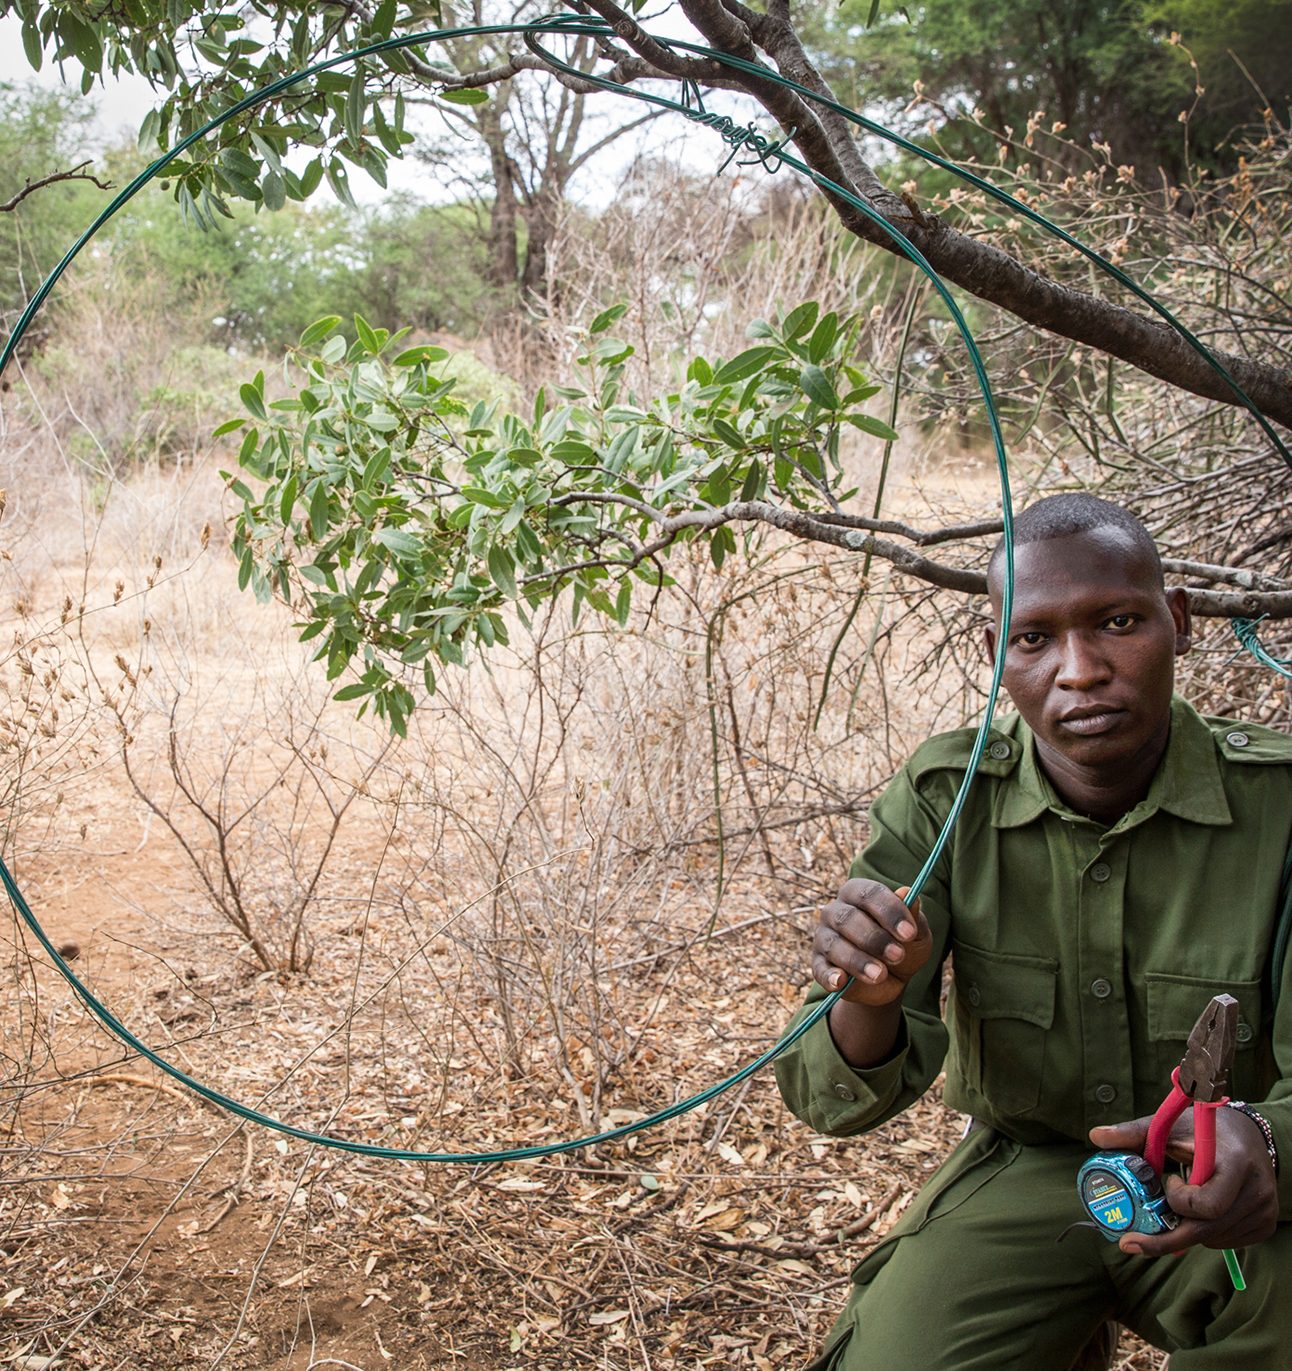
1244, 742
951, 752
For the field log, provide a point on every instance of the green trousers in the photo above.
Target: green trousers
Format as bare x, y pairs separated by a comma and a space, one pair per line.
972, 1279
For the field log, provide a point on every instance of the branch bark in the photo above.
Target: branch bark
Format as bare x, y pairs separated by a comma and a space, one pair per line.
76, 173
1274, 601
828, 146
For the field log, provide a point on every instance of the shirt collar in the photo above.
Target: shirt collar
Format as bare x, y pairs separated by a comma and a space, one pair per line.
1187, 783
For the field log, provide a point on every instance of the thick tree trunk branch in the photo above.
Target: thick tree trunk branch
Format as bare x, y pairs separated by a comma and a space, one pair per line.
829, 148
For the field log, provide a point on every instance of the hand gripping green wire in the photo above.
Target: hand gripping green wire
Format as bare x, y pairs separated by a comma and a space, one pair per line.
582, 25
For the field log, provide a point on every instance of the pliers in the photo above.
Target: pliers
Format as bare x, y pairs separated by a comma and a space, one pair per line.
1201, 1079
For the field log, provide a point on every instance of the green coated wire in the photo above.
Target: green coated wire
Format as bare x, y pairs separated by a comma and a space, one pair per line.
581, 25
558, 26
1247, 632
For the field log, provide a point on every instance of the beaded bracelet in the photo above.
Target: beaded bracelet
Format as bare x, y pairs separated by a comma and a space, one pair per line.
1266, 1131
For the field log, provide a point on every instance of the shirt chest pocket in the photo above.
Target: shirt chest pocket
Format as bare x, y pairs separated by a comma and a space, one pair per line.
1174, 1004
1004, 1008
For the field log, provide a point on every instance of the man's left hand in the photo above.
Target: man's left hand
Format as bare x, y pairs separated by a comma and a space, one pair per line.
1237, 1207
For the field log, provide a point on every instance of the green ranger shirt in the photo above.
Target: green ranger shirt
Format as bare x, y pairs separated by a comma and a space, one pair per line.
1082, 954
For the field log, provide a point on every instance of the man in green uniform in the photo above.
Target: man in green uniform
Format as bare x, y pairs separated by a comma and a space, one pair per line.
1119, 861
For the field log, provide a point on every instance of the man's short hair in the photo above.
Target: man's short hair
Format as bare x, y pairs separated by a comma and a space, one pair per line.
1061, 516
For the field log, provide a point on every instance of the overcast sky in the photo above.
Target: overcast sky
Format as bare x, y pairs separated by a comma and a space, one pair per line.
121, 104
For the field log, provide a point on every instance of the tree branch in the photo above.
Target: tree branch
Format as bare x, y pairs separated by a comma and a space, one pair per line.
613, 136
1261, 595
77, 173
622, 73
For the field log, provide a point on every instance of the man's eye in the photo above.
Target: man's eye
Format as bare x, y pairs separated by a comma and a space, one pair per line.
1030, 639
1121, 621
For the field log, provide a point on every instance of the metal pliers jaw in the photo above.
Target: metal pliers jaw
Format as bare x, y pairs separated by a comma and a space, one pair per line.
1204, 1071
1201, 1079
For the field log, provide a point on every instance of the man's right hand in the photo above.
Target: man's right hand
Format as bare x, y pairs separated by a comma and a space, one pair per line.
866, 932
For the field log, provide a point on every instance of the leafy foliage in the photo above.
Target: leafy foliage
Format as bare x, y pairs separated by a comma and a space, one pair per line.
205, 60
1107, 72
261, 278
406, 527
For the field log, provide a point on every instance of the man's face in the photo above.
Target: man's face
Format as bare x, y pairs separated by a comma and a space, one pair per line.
1090, 662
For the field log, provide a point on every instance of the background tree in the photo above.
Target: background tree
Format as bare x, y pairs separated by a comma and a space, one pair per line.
1121, 74
536, 137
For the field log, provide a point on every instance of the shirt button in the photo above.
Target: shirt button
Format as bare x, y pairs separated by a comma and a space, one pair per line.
998, 750
1106, 1094
843, 1092
1100, 989
1244, 1034
1237, 739
974, 996
1100, 872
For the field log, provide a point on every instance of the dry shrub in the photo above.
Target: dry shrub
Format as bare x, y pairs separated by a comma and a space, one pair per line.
696, 258
125, 379
250, 784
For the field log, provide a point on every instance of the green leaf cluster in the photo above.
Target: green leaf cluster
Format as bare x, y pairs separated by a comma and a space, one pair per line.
1104, 72
407, 528
202, 60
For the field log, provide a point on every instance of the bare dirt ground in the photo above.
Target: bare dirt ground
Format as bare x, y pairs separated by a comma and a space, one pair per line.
141, 1227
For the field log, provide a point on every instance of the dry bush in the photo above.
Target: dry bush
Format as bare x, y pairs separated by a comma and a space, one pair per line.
249, 784
696, 258
570, 819
127, 381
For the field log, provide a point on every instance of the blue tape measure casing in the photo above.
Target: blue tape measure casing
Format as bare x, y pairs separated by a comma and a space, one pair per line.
1123, 1194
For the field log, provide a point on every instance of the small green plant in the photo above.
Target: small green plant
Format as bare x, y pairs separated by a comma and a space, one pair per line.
404, 525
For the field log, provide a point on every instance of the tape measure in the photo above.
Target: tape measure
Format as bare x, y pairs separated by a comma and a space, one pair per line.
1123, 1194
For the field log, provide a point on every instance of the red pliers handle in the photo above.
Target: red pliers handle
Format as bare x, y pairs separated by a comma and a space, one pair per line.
1204, 1131
1201, 1079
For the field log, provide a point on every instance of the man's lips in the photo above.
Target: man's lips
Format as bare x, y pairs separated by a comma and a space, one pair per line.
1091, 721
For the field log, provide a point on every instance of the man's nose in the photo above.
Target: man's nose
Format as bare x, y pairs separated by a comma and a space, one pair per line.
1081, 663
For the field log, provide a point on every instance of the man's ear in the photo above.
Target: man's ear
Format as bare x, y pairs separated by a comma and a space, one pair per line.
1177, 601
989, 637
